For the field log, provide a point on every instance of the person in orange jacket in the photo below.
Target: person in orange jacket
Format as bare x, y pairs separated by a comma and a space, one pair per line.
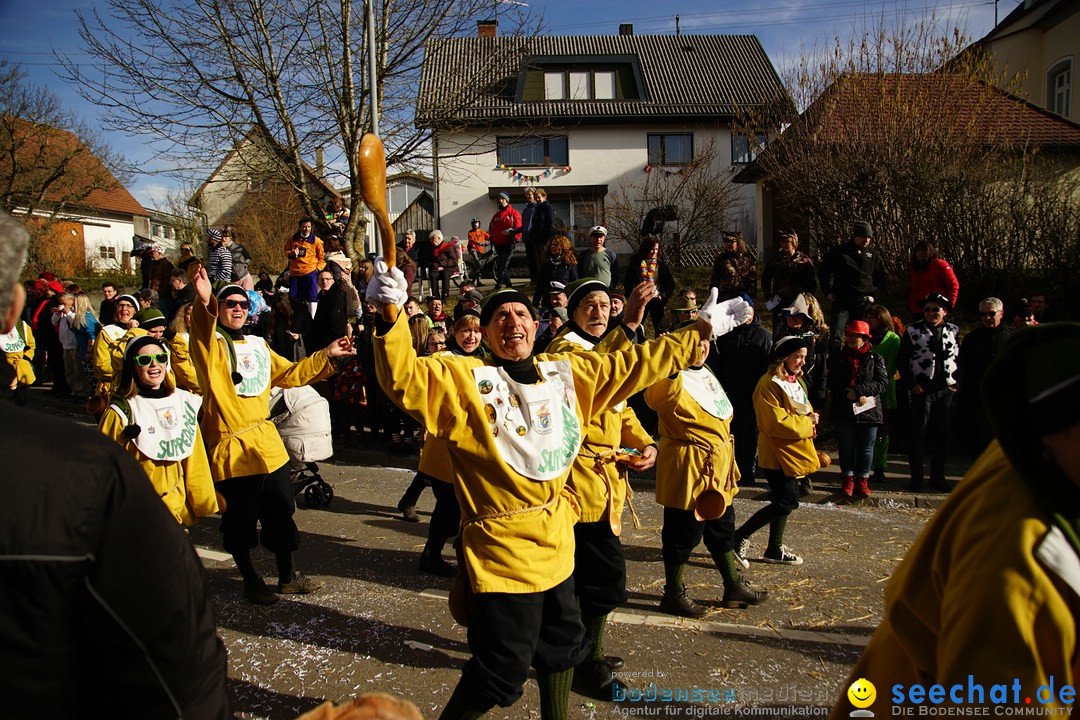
306, 258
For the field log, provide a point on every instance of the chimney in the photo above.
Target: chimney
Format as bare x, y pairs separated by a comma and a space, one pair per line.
487, 28
319, 162
626, 28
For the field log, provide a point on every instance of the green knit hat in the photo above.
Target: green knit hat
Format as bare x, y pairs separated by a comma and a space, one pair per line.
150, 317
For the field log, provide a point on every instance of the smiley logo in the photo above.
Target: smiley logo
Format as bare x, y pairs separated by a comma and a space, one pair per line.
862, 693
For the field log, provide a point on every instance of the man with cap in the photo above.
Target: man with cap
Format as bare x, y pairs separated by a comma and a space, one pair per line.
551, 322
105, 610
851, 274
598, 261
219, 259
599, 477
987, 597
161, 269
927, 365
504, 228
247, 458
469, 300
513, 425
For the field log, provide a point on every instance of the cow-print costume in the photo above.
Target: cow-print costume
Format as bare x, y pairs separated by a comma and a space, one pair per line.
924, 349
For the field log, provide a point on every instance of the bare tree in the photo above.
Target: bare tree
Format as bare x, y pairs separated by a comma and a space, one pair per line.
51, 164
906, 129
700, 194
198, 76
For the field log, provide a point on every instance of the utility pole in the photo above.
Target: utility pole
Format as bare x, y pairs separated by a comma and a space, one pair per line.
373, 73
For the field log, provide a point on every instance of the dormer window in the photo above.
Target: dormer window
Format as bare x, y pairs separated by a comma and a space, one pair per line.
1059, 87
581, 78
579, 85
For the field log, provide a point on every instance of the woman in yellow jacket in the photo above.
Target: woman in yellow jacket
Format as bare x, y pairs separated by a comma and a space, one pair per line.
109, 350
787, 425
248, 461
696, 483
158, 424
17, 368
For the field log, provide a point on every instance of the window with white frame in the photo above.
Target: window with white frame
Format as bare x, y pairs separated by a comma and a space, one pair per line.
671, 148
538, 151
579, 85
553, 86
743, 151
1059, 87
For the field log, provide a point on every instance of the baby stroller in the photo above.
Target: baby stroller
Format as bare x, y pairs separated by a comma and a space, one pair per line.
302, 417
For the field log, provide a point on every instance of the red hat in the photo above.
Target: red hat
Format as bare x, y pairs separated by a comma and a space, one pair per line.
858, 327
56, 287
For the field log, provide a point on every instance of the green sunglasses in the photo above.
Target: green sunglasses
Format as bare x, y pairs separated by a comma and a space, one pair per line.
145, 360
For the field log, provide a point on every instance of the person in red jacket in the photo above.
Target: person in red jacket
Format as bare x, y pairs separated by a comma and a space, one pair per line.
929, 273
504, 229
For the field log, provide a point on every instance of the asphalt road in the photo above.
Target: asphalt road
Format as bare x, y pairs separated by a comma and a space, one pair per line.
381, 625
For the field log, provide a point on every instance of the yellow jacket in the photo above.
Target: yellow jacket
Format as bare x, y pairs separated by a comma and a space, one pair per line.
17, 366
978, 594
180, 363
595, 475
239, 436
517, 533
696, 450
785, 438
109, 356
184, 485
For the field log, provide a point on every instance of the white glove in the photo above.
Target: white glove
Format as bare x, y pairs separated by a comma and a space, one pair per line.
726, 316
387, 286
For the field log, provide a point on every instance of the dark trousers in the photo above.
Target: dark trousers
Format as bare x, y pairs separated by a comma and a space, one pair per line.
655, 312
254, 500
929, 433
599, 568
440, 282
446, 517
502, 263
412, 494
509, 633
783, 499
856, 444
533, 253
683, 532
843, 311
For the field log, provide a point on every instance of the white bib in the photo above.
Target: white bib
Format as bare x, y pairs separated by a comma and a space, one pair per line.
535, 427
169, 424
795, 393
115, 332
253, 364
706, 390
12, 342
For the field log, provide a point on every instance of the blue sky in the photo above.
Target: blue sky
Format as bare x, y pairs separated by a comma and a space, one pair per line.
30, 29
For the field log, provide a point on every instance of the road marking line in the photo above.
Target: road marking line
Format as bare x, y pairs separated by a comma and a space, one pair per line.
628, 618
208, 554
744, 630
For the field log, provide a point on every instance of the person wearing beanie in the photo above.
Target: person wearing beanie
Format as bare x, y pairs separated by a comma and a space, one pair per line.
696, 484
218, 257
306, 258
858, 377
927, 363
598, 261
152, 321
158, 424
988, 590
248, 460
512, 439
787, 426
599, 477
851, 275
109, 350
504, 229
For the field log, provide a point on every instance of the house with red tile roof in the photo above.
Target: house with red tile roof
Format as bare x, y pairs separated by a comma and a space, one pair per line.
54, 181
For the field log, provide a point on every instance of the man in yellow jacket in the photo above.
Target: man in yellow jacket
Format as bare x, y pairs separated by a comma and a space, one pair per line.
248, 461
599, 478
983, 608
513, 427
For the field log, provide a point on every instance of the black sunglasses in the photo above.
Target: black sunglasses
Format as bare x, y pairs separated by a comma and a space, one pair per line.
242, 304
145, 360
989, 314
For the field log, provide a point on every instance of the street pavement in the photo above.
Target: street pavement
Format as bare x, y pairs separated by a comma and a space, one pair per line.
380, 625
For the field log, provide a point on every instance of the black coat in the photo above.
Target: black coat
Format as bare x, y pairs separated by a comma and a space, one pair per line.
873, 380
542, 227
739, 359
85, 540
331, 317
851, 273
